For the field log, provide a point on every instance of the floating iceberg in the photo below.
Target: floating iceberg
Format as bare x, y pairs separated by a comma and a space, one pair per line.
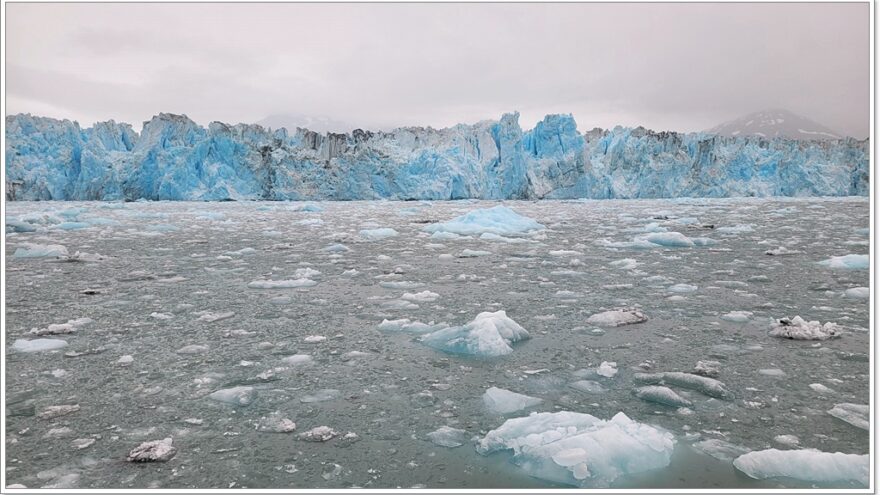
858, 293
446, 436
499, 220
579, 449
617, 317
798, 329
282, 284
500, 401
38, 345
808, 465
488, 335
378, 234
237, 396
669, 239
857, 415
30, 250
848, 262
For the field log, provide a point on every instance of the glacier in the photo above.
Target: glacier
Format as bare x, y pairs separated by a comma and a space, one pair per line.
174, 158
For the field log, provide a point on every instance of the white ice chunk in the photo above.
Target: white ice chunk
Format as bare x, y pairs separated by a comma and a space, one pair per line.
617, 317
501, 401
30, 250
488, 335
669, 239
737, 316
378, 234
580, 449
847, 262
405, 325
446, 436
798, 329
858, 293
499, 220
424, 296
857, 415
155, 451
38, 345
238, 396
808, 465
607, 369
282, 284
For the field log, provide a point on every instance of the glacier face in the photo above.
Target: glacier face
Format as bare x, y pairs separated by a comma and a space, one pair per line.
173, 158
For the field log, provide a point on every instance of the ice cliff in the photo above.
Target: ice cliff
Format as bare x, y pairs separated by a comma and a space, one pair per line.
173, 158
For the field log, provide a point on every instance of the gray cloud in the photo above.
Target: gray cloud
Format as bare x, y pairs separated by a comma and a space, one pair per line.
666, 66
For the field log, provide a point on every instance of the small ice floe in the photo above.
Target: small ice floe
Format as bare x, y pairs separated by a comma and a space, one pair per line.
501, 401
587, 386
38, 345
822, 389
488, 335
318, 434
424, 296
499, 220
161, 316
781, 251
298, 360
155, 451
314, 339
82, 443
737, 316
661, 395
210, 317
708, 368
322, 395
337, 248
82, 257
704, 385
237, 396
53, 412
282, 284
787, 440
378, 234
489, 236
61, 328
735, 229
617, 317
857, 293
30, 250
579, 449
807, 465
682, 288
404, 284
607, 369
275, 423
473, 253
798, 329
192, 349
775, 372
847, 262
669, 239
721, 450
405, 325
125, 360
446, 436
625, 264
857, 415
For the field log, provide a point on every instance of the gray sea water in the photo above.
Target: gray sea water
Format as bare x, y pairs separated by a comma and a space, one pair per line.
165, 270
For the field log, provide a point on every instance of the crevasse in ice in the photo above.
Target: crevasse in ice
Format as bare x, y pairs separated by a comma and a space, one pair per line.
173, 158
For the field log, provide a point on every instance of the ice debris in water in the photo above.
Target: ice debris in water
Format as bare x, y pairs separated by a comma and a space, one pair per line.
737, 316
662, 395
781, 251
607, 369
721, 450
858, 293
499, 220
298, 359
488, 335
704, 385
322, 395
38, 345
501, 401
857, 415
424, 296
155, 451
580, 449
30, 250
807, 465
588, 386
318, 434
682, 288
378, 234
798, 329
405, 325
847, 262
53, 412
446, 436
617, 317
237, 396
669, 239
708, 368
210, 317
282, 284
61, 328
790, 440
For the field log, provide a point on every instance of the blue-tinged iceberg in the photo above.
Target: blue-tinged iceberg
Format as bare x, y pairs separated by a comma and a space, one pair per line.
173, 158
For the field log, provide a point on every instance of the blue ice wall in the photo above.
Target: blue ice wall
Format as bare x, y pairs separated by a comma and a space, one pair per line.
173, 158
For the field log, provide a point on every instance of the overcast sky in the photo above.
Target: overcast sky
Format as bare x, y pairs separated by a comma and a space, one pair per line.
682, 67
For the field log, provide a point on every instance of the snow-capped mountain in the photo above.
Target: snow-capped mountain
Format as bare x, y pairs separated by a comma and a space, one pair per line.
173, 158
293, 120
775, 124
